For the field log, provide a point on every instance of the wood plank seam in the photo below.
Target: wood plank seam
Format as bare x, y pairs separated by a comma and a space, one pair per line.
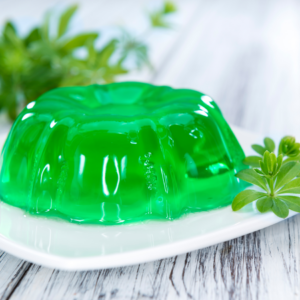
16, 280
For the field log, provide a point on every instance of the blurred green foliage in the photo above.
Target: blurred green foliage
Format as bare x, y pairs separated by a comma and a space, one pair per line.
158, 18
38, 62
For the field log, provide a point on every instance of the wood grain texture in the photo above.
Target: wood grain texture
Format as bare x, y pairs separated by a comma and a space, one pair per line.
12, 271
246, 55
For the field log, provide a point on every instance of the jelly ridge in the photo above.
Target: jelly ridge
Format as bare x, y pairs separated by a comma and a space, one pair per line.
119, 153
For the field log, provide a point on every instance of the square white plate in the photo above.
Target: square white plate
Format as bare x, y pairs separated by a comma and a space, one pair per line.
62, 245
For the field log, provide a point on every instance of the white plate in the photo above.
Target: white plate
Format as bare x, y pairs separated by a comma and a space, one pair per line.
62, 245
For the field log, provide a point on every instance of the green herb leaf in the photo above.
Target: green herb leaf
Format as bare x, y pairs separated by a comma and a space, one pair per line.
33, 36
245, 197
293, 202
259, 149
263, 167
169, 7
158, 21
267, 162
10, 36
287, 172
9, 31
292, 187
269, 144
158, 18
264, 204
105, 54
65, 20
252, 161
280, 208
79, 41
273, 162
9, 26
45, 27
289, 147
251, 176
293, 158
279, 161
258, 171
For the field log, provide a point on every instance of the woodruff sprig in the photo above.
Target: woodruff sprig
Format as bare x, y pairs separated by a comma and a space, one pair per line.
276, 176
49, 56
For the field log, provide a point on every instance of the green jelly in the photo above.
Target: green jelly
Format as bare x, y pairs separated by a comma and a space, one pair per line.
119, 153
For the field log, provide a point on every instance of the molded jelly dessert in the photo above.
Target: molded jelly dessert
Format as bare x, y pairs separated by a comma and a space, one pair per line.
120, 152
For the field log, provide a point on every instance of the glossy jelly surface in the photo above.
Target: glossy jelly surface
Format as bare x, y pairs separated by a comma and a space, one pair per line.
120, 152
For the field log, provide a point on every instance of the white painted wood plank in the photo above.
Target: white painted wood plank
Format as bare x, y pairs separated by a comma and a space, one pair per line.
12, 271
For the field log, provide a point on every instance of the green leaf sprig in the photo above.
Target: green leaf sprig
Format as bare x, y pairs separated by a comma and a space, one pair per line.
158, 18
44, 60
276, 177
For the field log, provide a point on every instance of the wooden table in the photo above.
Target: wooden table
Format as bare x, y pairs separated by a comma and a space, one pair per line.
246, 55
